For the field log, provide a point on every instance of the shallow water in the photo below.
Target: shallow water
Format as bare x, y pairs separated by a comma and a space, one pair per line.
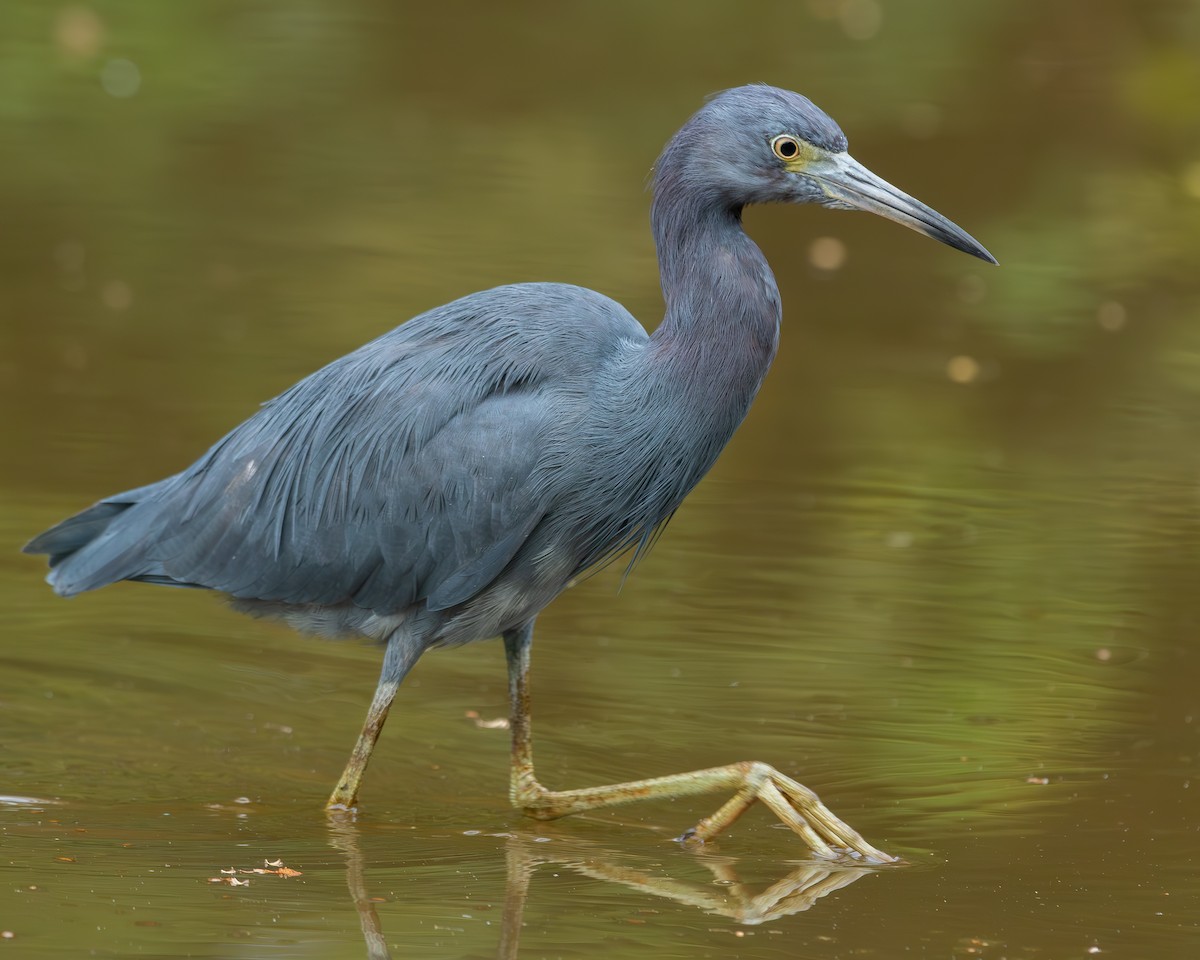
945, 574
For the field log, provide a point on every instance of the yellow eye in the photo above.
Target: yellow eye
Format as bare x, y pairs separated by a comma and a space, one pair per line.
786, 146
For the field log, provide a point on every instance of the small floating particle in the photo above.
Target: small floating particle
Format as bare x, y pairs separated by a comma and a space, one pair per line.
500, 723
273, 867
280, 872
1038, 780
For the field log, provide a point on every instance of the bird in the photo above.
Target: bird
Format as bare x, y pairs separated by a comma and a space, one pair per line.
445, 482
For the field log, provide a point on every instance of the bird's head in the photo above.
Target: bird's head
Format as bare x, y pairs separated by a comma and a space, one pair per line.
760, 144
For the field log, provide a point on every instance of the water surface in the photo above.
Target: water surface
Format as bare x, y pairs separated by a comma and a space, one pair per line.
945, 574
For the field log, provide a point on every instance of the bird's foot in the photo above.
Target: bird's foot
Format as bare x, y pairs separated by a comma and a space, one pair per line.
829, 837
799, 808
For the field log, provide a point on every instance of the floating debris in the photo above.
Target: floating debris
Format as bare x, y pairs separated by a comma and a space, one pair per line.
269, 867
500, 723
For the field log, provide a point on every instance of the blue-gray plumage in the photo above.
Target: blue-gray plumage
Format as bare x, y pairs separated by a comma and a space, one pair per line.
445, 482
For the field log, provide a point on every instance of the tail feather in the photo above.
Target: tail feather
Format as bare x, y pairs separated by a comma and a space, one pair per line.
105, 543
65, 538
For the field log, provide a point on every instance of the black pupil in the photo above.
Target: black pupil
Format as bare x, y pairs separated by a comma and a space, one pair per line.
787, 148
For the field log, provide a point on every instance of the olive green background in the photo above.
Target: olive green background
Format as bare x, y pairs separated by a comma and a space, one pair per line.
946, 574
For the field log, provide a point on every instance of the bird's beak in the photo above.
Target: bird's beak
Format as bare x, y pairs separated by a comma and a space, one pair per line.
849, 183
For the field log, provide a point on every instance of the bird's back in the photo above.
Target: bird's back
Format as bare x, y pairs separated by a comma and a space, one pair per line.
412, 469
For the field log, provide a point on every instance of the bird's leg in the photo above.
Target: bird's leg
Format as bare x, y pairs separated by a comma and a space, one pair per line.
797, 806
523, 786
398, 659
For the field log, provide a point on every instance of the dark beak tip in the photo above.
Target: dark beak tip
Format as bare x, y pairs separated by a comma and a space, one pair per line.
969, 245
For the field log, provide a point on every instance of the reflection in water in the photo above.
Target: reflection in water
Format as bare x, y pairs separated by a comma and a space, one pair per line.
344, 836
794, 892
798, 889
957, 549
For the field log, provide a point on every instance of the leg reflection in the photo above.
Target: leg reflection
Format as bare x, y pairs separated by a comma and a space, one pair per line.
797, 890
343, 837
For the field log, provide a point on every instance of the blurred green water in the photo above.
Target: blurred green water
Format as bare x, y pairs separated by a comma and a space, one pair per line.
953, 549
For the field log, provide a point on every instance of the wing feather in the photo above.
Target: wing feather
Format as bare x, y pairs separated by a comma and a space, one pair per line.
411, 469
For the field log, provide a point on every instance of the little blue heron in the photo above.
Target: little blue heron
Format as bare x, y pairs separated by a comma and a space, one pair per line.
445, 482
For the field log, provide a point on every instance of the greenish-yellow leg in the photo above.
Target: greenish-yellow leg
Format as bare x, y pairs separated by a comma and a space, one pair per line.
398, 659
793, 803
